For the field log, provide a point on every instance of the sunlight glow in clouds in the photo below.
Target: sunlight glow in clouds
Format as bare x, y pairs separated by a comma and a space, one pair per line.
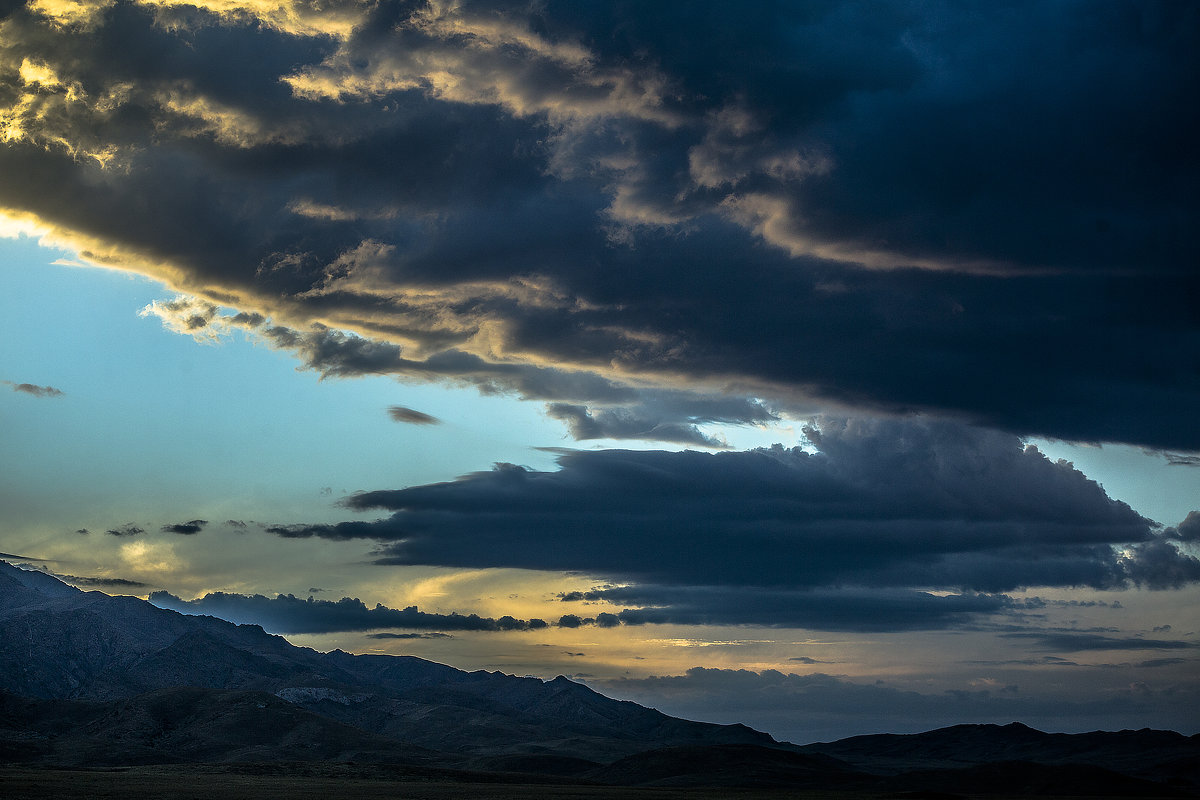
869, 233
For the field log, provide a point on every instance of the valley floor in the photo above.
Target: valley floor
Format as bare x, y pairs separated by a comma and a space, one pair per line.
347, 782
306, 783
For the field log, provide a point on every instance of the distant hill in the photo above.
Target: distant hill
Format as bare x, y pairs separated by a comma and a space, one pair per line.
1161, 756
59, 643
91, 680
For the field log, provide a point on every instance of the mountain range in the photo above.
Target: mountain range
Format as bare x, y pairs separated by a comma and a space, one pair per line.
89, 680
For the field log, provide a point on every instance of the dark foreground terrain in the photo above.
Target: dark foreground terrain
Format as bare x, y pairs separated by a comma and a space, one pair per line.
112, 697
322, 782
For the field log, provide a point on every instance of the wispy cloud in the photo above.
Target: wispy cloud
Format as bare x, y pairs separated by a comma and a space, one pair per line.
433, 635
1072, 642
36, 391
128, 529
411, 416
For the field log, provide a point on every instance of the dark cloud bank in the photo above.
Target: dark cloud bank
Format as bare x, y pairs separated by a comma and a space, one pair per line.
890, 525
974, 209
290, 614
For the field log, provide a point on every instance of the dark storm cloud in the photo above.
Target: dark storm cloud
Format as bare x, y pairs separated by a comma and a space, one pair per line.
1186, 531
411, 416
128, 529
338, 354
833, 610
606, 408
340, 530
36, 391
891, 525
290, 614
601, 620
659, 418
1158, 564
186, 528
884, 503
666, 196
576, 596
620, 424
606, 620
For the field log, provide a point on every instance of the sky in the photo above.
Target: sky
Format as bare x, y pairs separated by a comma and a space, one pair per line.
828, 367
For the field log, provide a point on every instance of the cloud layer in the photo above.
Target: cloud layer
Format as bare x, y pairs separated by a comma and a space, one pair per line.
890, 524
970, 209
290, 614
35, 390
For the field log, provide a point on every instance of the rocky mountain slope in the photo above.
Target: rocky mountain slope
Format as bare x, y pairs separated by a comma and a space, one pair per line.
59, 643
90, 680
185, 725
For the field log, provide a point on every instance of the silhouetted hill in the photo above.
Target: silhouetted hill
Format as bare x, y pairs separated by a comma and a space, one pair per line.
90, 680
184, 725
57, 642
1162, 756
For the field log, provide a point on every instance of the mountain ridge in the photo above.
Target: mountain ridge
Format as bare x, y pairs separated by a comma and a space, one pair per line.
88, 680
57, 642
